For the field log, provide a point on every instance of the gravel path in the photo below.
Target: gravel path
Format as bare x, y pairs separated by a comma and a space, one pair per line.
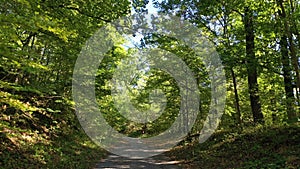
156, 162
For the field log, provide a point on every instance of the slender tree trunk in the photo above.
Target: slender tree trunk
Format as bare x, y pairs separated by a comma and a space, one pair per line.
292, 115
186, 108
251, 67
286, 68
273, 106
294, 58
236, 96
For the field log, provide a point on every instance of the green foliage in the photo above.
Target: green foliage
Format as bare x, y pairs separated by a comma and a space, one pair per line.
255, 147
40, 41
223, 23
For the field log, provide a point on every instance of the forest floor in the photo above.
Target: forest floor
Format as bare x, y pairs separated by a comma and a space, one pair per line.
24, 149
254, 147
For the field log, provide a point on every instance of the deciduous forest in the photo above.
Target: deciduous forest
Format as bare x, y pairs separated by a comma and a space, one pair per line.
258, 42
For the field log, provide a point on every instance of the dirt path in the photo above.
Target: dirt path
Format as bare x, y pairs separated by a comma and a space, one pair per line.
156, 162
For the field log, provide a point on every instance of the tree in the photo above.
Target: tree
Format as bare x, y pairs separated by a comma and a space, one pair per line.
241, 32
287, 42
251, 62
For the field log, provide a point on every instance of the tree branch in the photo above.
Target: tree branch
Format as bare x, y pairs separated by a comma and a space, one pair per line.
234, 10
84, 13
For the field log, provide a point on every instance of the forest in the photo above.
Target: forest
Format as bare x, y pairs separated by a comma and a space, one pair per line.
254, 45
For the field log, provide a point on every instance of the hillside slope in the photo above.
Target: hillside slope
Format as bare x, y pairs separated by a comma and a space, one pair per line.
258, 147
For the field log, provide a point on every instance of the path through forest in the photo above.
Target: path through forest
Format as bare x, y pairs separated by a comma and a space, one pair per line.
138, 148
156, 162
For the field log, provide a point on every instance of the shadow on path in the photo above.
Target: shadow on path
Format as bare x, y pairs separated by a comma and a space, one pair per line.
156, 162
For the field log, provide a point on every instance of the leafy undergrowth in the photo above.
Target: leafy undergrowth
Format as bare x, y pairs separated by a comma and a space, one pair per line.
258, 147
41, 131
25, 149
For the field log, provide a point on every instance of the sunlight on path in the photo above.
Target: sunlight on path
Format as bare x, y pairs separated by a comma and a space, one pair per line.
156, 162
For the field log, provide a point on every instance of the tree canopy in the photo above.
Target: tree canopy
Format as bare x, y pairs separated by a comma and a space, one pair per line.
40, 40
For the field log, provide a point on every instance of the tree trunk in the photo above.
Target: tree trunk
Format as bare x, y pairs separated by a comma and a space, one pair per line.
288, 85
292, 115
251, 67
236, 96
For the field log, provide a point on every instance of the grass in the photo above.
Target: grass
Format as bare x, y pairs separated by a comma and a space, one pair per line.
44, 138
27, 149
254, 147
